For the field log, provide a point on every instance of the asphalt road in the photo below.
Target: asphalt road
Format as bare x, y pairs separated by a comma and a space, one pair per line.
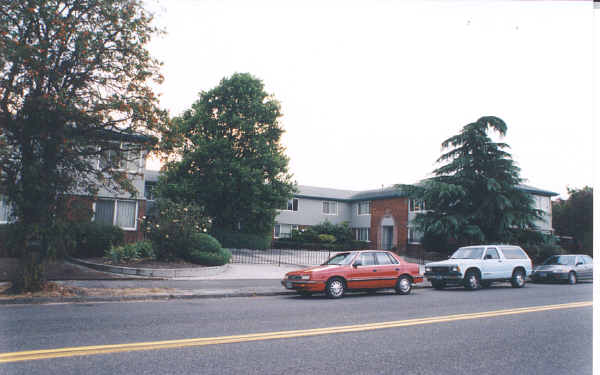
556, 340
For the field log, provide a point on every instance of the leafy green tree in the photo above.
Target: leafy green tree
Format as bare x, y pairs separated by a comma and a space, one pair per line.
473, 196
74, 78
232, 163
575, 217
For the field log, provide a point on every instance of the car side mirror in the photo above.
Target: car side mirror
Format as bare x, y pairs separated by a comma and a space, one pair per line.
357, 263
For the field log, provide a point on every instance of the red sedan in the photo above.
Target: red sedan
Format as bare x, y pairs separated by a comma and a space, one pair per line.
355, 270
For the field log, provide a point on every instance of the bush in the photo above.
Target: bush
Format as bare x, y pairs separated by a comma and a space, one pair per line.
239, 240
327, 238
172, 227
539, 253
209, 258
93, 240
206, 250
132, 251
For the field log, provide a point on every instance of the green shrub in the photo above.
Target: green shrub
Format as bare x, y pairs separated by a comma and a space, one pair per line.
210, 258
131, 251
327, 238
172, 227
93, 240
239, 240
539, 253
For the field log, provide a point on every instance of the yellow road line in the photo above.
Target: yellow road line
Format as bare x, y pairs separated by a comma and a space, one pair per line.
170, 344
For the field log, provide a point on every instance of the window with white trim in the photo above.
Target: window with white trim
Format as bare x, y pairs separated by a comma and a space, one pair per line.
292, 205
414, 236
330, 208
364, 208
130, 160
283, 230
6, 211
416, 205
121, 213
363, 234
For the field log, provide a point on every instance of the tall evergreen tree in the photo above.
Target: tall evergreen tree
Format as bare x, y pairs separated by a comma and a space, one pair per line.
474, 196
232, 163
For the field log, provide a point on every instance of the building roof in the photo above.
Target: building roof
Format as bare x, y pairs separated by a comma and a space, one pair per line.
324, 193
534, 190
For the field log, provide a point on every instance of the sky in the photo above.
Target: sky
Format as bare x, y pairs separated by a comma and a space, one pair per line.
370, 89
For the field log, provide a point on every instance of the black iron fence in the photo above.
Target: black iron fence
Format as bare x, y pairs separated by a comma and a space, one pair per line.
281, 256
294, 256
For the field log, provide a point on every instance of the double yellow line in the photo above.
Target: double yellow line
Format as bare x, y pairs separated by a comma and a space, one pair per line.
172, 344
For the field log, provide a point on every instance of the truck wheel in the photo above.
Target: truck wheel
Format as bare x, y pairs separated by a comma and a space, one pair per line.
472, 281
518, 279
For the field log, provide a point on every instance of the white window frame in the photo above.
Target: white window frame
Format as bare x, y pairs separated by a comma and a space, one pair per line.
288, 205
10, 209
412, 203
368, 203
411, 236
115, 200
329, 208
140, 160
367, 229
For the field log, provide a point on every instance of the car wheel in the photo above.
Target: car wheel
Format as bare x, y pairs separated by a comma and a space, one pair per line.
404, 285
472, 281
572, 278
304, 293
335, 288
439, 285
518, 279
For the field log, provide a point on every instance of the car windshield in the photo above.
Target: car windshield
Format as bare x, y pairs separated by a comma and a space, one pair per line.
560, 260
468, 253
340, 259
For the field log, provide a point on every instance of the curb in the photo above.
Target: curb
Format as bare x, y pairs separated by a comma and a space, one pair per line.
151, 297
161, 273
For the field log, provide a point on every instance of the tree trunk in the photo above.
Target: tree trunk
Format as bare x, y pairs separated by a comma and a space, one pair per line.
31, 275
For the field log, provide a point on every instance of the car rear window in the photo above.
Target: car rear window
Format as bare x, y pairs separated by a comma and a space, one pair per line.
513, 253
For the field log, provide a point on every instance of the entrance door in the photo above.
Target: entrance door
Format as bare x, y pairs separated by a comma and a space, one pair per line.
387, 237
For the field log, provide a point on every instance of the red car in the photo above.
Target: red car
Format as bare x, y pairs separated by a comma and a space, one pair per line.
355, 270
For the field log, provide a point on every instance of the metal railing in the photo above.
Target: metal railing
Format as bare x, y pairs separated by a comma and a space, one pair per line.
281, 256
294, 256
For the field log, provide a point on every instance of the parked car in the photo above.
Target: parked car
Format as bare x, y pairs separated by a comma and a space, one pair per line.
478, 266
569, 268
355, 270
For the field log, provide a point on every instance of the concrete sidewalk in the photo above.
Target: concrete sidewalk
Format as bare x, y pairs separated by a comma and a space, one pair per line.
235, 280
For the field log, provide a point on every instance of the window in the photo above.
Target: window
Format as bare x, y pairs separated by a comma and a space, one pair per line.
330, 208
122, 213
415, 205
383, 259
5, 211
292, 205
364, 208
492, 254
414, 236
367, 259
129, 160
149, 190
283, 230
363, 234
513, 253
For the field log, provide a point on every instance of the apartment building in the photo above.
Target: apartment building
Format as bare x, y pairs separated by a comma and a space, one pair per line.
383, 217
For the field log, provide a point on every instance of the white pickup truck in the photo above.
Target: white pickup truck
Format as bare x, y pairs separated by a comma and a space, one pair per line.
478, 266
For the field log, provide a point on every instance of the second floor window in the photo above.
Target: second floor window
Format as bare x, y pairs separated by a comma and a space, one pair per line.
364, 208
416, 205
330, 208
292, 205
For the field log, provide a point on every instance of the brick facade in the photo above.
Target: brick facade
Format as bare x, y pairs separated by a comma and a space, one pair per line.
395, 209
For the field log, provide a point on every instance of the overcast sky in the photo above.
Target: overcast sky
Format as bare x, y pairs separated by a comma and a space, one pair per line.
370, 89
